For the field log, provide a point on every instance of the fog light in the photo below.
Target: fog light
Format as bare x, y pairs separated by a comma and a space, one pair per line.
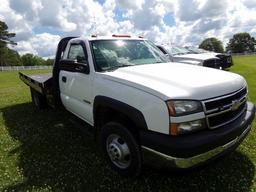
186, 127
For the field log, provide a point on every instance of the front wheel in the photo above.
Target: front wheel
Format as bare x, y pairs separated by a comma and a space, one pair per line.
121, 149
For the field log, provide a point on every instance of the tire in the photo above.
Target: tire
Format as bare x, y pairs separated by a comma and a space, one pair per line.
121, 149
38, 99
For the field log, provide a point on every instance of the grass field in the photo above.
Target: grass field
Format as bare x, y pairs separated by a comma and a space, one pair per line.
43, 151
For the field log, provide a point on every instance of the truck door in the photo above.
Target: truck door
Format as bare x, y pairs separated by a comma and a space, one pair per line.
75, 82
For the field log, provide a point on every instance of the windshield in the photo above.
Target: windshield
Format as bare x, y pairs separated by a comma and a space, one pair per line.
174, 50
197, 50
112, 54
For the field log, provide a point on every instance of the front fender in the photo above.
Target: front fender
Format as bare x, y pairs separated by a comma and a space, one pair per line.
132, 113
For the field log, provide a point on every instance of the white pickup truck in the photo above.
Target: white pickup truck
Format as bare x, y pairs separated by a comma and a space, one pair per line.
225, 58
183, 55
138, 103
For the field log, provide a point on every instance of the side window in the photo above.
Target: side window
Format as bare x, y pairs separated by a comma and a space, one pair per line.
76, 52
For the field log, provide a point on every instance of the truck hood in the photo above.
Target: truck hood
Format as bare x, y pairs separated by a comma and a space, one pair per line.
196, 57
177, 81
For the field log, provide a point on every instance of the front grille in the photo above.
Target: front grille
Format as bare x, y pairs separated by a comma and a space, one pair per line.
225, 60
212, 63
225, 109
225, 118
228, 59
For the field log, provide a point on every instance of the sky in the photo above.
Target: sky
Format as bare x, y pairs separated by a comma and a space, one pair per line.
40, 24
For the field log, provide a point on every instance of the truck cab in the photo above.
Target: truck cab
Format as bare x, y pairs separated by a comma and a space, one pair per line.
138, 102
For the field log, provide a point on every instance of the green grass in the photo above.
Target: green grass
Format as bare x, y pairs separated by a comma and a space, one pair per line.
246, 66
43, 151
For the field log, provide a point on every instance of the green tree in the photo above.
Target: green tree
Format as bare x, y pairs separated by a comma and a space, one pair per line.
39, 60
212, 44
12, 57
241, 43
49, 62
28, 59
7, 56
5, 36
32, 60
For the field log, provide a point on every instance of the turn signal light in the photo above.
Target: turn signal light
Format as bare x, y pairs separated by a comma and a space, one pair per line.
173, 129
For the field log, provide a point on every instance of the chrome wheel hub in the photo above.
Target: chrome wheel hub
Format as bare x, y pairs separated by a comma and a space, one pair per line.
118, 151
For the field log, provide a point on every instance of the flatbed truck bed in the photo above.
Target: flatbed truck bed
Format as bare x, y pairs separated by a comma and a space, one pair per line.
42, 84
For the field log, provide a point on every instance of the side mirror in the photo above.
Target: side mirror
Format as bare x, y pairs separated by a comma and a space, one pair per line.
81, 60
74, 66
167, 56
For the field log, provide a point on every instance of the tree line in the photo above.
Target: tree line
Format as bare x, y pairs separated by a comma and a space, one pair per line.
10, 57
239, 43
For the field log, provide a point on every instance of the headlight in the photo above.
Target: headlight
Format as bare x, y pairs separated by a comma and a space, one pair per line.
179, 108
182, 107
186, 127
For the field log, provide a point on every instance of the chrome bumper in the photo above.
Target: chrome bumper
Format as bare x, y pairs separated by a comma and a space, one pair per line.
198, 159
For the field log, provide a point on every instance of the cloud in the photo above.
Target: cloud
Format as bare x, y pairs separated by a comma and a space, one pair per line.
56, 14
205, 25
213, 9
44, 44
187, 10
249, 3
15, 22
195, 9
28, 9
124, 4
150, 14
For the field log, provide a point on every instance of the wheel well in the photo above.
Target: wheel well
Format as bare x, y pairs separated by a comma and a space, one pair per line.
104, 115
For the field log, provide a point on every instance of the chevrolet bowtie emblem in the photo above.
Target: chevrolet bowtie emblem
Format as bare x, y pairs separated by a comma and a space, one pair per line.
235, 105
